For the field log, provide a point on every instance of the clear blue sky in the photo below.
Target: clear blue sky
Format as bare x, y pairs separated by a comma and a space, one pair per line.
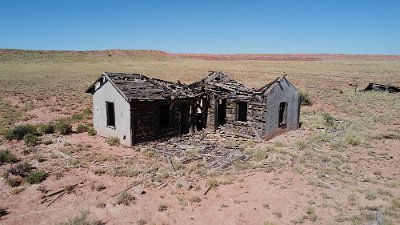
204, 26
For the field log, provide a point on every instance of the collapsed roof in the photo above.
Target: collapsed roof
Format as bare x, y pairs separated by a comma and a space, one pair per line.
218, 82
140, 87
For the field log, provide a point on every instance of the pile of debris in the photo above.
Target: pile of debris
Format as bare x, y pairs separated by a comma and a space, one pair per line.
216, 151
382, 87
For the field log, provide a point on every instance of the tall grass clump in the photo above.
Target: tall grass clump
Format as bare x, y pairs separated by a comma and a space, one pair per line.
30, 140
48, 128
63, 127
9, 115
82, 219
113, 141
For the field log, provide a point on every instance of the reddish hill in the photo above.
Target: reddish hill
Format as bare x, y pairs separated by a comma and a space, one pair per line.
229, 57
287, 57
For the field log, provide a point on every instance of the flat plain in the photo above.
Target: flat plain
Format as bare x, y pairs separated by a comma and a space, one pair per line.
340, 167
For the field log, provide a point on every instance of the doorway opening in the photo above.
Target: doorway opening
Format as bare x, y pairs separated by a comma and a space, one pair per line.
164, 116
110, 111
282, 114
241, 111
221, 112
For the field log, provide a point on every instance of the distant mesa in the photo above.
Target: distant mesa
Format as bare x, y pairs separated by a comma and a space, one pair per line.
227, 57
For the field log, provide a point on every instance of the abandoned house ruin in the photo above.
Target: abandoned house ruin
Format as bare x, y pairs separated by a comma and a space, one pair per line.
136, 108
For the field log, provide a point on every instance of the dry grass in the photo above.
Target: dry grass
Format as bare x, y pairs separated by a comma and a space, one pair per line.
342, 124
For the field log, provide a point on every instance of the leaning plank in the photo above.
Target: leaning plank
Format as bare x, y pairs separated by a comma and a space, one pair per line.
62, 190
56, 199
129, 187
208, 189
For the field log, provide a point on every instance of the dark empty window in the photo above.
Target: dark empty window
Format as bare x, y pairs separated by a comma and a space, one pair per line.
282, 114
164, 116
110, 114
242, 111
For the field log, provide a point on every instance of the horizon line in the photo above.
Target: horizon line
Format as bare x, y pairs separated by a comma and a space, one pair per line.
193, 53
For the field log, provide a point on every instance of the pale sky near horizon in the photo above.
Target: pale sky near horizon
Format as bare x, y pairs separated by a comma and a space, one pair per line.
194, 26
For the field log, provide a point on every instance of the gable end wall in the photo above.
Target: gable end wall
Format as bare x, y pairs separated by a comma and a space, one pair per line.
282, 92
107, 92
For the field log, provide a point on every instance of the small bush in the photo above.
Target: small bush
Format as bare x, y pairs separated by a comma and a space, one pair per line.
16, 191
311, 214
81, 220
3, 212
305, 99
63, 127
91, 131
48, 142
20, 131
370, 195
36, 176
87, 111
39, 158
77, 117
81, 128
113, 141
21, 169
195, 199
125, 198
259, 154
125, 172
74, 162
329, 120
162, 207
100, 187
213, 183
46, 128
353, 139
101, 205
30, 139
13, 181
7, 157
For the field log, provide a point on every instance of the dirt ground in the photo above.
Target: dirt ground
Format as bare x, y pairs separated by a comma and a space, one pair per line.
340, 167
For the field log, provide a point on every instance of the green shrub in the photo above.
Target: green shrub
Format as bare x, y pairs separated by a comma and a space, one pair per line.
305, 99
46, 128
125, 198
81, 128
113, 141
30, 139
64, 127
20, 131
329, 120
6, 156
91, 131
3, 212
21, 169
36, 176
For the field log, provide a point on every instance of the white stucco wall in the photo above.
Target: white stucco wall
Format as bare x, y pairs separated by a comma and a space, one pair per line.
122, 128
